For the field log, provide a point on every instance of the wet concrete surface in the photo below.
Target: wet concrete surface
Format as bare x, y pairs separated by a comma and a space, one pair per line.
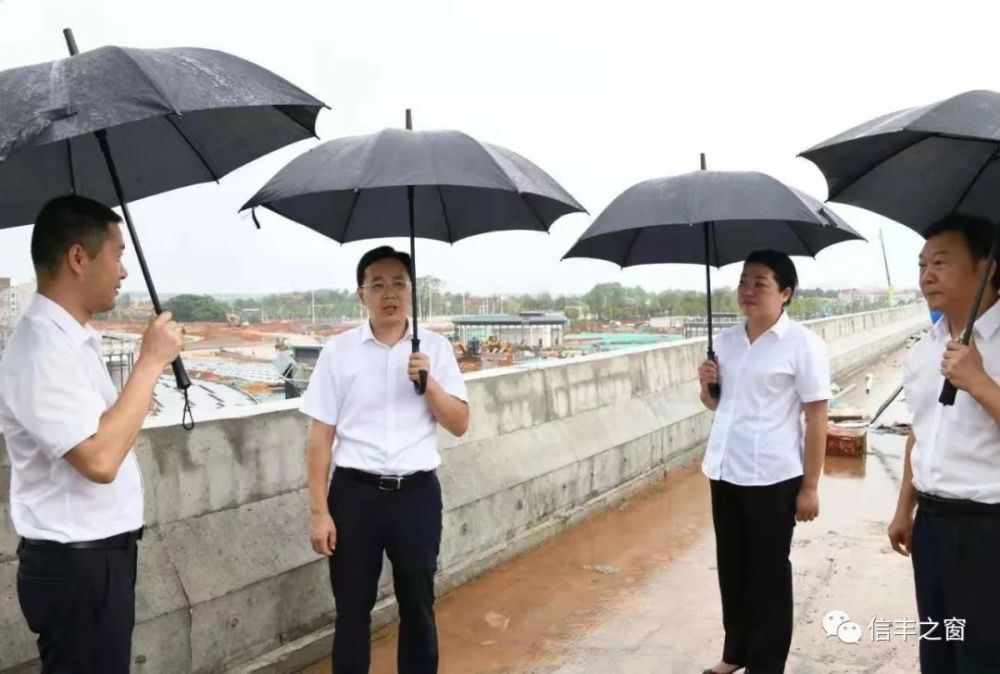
635, 590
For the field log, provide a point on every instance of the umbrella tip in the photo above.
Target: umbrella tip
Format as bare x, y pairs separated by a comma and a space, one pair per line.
70, 41
409, 120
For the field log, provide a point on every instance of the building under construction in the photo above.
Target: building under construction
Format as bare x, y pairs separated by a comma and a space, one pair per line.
528, 329
14, 300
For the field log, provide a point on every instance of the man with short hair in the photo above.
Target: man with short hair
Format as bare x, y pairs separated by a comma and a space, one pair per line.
381, 436
951, 473
76, 495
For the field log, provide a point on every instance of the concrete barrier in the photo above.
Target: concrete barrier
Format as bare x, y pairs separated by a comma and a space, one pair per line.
228, 580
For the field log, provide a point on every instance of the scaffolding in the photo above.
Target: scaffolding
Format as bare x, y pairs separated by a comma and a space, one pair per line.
10, 311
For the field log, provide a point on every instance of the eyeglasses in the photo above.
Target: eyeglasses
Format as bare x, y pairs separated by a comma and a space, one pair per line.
379, 287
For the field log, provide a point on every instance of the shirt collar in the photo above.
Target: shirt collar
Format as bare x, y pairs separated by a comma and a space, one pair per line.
43, 307
779, 328
985, 326
368, 336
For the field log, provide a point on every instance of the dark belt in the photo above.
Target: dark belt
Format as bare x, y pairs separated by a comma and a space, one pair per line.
117, 542
386, 482
938, 505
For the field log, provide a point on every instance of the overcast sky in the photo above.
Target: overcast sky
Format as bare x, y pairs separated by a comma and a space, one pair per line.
599, 94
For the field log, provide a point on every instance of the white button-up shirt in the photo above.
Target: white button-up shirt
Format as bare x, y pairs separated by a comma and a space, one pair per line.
757, 434
361, 386
957, 453
54, 387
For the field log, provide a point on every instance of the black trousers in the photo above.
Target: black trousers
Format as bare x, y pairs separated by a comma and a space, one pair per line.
406, 525
956, 568
81, 604
753, 538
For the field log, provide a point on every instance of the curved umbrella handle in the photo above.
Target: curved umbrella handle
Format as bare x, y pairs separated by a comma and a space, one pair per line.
714, 390
180, 374
419, 386
183, 384
948, 393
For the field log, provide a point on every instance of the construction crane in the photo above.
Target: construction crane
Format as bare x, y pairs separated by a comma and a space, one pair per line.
885, 259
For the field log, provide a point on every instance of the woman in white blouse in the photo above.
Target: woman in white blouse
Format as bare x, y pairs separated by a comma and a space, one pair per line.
763, 467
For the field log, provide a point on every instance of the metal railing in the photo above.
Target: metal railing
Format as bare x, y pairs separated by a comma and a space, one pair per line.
119, 357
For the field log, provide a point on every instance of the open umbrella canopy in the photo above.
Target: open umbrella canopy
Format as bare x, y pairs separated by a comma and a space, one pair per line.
709, 217
920, 166
355, 188
173, 117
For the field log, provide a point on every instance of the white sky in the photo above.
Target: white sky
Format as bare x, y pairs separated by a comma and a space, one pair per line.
599, 94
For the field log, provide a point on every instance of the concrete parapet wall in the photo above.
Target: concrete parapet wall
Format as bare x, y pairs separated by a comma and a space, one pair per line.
226, 571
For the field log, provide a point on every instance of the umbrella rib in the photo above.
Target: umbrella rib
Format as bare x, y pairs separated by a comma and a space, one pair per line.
531, 208
833, 196
357, 190
790, 224
715, 245
631, 247
193, 148
444, 211
311, 132
437, 184
521, 194
350, 213
972, 183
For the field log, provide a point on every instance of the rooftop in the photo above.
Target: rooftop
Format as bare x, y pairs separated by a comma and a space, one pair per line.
523, 318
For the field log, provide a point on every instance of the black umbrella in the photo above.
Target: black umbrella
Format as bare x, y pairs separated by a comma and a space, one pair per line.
712, 218
919, 166
441, 185
117, 124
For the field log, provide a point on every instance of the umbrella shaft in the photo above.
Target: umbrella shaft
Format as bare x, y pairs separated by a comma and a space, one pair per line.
984, 281
948, 390
180, 374
708, 289
413, 261
102, 140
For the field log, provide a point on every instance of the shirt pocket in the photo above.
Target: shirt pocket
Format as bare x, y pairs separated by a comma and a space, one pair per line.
778, 382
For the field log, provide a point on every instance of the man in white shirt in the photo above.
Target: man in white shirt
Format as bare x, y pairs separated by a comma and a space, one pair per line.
76, 492
381, 435
952, 468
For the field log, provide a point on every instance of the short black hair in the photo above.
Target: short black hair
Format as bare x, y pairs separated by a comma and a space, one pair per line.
779, 264
379, 254
65, 222
977, 232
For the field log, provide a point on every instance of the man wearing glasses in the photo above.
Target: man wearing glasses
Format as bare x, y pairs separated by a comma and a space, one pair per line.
380, 435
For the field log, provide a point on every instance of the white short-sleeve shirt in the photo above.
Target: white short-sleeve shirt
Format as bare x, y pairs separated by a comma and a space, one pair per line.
957, 452
757, 433
54, 388
361, 386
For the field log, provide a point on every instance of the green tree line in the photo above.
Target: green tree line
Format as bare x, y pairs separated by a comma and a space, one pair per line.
603, 302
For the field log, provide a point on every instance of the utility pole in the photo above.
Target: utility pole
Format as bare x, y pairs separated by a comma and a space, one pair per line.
885, 259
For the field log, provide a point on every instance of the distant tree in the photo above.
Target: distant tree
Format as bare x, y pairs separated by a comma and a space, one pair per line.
190, 308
